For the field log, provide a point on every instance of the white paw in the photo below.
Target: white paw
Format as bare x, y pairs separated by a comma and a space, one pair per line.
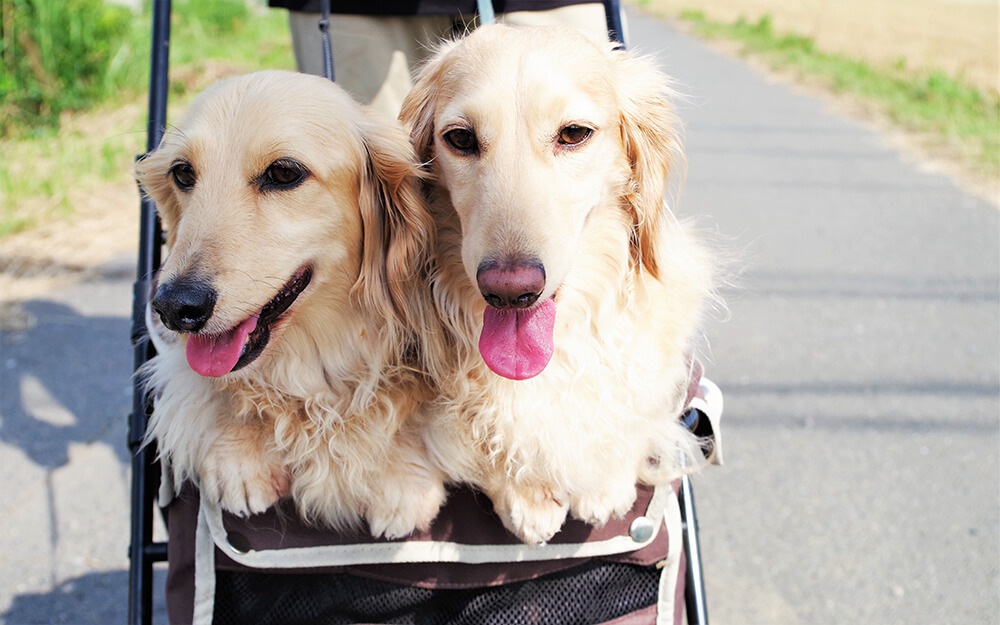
402, 507
596, 508
534, 515
242, 485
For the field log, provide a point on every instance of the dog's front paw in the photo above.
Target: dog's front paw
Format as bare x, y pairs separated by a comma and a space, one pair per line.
243, 485
596, 508
532, 514
402, 507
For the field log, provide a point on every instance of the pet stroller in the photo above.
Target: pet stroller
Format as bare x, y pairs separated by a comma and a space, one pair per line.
269, 568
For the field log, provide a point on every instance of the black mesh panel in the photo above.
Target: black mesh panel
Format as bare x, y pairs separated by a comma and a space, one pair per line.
585, 595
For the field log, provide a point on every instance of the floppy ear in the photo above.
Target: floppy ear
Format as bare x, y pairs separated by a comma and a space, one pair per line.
651, 136
417, 111
417, 115
152, 172
398, 228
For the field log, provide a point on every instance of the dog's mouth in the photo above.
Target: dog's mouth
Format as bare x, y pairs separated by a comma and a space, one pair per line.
517, 343
215, 355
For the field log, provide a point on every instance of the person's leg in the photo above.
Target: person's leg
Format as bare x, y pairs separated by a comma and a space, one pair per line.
373, 57
306, 42
588, 18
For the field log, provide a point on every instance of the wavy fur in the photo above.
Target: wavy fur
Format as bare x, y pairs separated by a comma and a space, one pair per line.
630, 282
326, 413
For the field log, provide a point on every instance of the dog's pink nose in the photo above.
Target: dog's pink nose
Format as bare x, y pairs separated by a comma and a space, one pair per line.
511, 284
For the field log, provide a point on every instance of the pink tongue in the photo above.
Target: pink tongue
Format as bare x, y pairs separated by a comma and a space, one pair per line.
517, 344
214, 355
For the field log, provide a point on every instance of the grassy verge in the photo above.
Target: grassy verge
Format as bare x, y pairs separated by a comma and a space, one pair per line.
49, 162
947, 115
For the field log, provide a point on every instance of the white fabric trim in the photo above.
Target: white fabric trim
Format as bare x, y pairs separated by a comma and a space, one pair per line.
671, 566
426, 551
204, 572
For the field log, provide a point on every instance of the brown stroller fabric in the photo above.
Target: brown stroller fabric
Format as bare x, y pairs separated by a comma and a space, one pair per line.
637, 571
466, 570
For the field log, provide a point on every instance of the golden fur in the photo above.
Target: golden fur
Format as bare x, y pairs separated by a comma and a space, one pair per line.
326, 412
629, 282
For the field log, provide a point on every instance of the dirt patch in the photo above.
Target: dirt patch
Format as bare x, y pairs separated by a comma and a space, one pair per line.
960, 37
105, 224
103, 218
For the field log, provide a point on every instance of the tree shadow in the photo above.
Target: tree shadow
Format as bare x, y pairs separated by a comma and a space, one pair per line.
64, 378
92, 599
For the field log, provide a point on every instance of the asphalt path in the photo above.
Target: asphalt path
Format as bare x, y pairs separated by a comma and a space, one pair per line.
860, 364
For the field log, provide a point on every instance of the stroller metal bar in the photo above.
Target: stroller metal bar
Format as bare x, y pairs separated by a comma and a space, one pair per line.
485, 10
142, 551
159, 79
327, 47
694, 582
140, 555
157, 552
613, 15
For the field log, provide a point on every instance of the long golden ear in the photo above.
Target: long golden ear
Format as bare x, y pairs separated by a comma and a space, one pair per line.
417, 112
152, 172
651, 135
398, 228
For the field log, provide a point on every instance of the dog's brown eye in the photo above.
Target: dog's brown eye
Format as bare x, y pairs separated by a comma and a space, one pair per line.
183, 175
283, 174
461, 140
574, 135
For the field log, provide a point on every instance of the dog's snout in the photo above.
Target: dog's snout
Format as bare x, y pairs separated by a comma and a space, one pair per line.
185, 305
516, 284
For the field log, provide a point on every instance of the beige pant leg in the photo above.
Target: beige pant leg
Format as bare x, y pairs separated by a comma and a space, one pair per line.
373, 57
588, 18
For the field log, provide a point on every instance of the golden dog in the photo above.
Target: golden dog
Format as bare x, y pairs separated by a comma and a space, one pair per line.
293, 299
572, 294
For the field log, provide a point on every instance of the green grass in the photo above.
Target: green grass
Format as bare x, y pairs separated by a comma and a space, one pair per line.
58, 55
54, 148
946, 113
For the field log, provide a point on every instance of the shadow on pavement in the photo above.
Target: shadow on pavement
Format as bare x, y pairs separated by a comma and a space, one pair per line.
92, 598
64, 378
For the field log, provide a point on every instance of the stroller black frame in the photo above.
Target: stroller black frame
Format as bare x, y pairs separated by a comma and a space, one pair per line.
144, 551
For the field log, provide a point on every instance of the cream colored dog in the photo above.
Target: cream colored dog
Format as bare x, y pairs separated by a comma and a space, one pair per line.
294, 302
573, 295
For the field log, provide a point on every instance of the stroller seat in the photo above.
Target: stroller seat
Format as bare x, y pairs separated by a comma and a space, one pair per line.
466, 569
271, 568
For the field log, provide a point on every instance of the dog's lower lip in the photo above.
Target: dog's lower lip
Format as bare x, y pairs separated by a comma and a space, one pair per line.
271, 313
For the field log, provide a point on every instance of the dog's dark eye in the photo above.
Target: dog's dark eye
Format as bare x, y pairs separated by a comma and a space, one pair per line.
462, 140
283, 174
183, 175
574, 135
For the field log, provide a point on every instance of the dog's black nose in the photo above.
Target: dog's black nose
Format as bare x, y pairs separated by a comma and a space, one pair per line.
185, 305
514, 284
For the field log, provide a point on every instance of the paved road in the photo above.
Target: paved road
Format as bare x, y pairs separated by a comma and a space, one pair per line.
860, 367
64, 395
